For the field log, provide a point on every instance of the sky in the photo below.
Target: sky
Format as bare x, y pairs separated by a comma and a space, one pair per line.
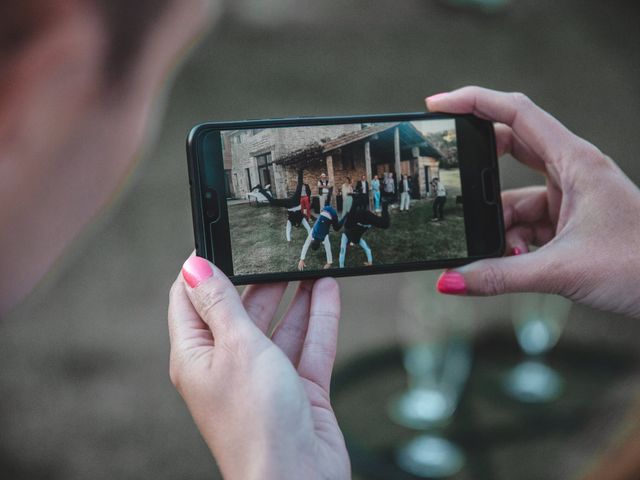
432, 126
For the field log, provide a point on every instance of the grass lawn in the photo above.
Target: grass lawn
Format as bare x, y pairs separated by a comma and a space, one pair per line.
259, 244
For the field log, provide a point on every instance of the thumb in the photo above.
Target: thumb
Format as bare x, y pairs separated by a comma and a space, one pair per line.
530, 272
216, 300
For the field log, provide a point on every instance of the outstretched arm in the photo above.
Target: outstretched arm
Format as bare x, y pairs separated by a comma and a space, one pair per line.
286, 202
277, 202
337, 224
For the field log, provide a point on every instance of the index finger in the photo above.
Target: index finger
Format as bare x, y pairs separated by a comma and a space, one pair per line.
319, 347
536, 128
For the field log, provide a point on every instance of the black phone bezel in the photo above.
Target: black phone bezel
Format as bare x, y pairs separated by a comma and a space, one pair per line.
484, 226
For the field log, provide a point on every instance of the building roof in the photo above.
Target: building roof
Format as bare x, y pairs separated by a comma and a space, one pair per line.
409, 137
305, 155
356, 136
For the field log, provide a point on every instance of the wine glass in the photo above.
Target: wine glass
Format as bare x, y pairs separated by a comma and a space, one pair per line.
538, 320
434, 331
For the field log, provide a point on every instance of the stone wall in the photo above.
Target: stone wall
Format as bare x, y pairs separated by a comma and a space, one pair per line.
279, 142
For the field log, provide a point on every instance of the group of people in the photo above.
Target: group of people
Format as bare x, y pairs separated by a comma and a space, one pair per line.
355, 221
347, 191
355, 216
386, 188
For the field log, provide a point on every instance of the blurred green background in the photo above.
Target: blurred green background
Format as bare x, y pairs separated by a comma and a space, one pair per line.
84, 387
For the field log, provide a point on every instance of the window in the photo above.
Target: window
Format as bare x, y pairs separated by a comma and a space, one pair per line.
227, 183
264, 162
248, 173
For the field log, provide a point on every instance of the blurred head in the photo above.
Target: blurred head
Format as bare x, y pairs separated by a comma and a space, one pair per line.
78, 84
364, 178
315, 244
375, 177
323, 176
348, 180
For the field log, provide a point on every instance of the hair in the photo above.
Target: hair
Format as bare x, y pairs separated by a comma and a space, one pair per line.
126, 22
315, 244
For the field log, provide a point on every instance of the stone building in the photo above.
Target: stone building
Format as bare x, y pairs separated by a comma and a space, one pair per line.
253, 154
273, 156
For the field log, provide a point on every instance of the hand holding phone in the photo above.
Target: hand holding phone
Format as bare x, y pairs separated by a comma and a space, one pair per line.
261, 402
582, 220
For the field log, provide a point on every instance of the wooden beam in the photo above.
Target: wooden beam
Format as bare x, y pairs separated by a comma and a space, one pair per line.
330, 170
367, 160
396, 150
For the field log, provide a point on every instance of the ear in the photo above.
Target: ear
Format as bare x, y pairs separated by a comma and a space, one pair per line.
48, 80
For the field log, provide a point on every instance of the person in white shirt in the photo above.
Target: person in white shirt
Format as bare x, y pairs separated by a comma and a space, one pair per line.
347, 196
389, 187
441, 199
405, 193
363, 186
324, 189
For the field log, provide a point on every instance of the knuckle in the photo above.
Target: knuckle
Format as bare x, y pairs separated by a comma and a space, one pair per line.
233, 342
493, 281
210, 302
580, 154
319, 349
238, 348
521, 100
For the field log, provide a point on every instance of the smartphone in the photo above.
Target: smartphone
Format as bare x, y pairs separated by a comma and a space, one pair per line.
298, 198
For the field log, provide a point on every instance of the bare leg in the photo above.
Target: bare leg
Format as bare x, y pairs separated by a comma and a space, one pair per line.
343, 249
367, 252
327, 251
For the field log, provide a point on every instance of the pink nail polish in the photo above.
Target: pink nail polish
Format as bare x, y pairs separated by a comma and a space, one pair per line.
437, 96
516, 251
195, 270
451, 283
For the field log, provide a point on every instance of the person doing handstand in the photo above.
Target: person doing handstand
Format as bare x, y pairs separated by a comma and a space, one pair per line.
295, 216
358, 222
320, 235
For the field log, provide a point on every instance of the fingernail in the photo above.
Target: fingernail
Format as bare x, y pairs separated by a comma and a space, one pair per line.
516, 251
437, 96
451, 283
195, 270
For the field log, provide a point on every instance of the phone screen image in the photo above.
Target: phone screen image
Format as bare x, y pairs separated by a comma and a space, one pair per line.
308, 198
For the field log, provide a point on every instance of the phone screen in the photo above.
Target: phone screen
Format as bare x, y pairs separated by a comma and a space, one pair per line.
343, 196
